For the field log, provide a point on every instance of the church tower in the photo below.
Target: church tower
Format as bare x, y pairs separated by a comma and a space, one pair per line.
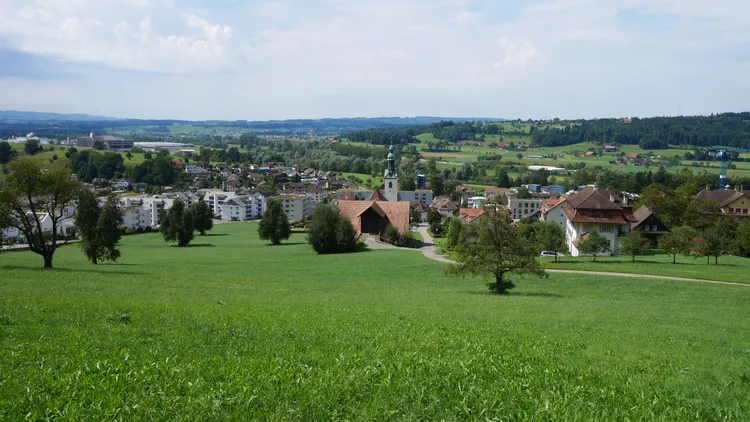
391, 178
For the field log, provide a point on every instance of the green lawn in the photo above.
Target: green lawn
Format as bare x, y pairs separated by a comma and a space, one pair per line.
730, 268
363, 180
233, 329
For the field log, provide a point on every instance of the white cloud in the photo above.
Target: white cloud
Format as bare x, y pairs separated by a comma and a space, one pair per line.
298, 58
93, 33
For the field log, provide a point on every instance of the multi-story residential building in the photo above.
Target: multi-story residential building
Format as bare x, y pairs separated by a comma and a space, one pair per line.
521, 208
247, 207
135, 217
194, 169
297, 207
424, 195
597, 209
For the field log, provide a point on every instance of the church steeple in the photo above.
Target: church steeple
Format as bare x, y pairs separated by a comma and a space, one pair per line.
391, 163
391, 177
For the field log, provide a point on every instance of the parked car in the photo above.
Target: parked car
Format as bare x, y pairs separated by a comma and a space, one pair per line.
548, 254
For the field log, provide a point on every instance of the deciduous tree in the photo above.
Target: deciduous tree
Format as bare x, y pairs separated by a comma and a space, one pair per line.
492, 247
715, 243
98, 227
551, 237
204, 219
6, 153
177, 224
274, 225
678, 241
594, 244
31, 196
634, 243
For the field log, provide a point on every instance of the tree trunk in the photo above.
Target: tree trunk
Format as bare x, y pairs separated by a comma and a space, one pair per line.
594, 257
674, 258
47, 261
716, 260
633, 258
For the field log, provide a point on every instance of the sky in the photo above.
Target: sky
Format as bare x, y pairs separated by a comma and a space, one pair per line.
259, 60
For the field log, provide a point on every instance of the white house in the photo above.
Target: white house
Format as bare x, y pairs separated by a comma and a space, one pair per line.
477, 201
552, 210
248, 207
600, 210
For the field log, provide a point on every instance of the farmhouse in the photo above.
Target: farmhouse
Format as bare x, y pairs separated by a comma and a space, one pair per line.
597, 209
735, 202
649, 225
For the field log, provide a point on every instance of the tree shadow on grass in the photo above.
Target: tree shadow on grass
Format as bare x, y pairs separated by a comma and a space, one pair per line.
213, 235
518, 294
199, 245
287, 244
68, 270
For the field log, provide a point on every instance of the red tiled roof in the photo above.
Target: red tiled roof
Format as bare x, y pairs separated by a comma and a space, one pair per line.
470, 214
631, 156
495, 191
377, 195
397, 212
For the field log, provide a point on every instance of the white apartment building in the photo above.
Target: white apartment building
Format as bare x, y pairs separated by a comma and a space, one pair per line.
424, 195
248, 207
522, 208
194, 169
135, 217
296, 207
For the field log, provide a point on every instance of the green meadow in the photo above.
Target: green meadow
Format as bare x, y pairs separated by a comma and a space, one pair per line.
730, 268
233, 329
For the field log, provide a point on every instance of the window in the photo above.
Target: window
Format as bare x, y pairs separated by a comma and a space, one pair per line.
592, 213
390, 185
607, 229
654, 228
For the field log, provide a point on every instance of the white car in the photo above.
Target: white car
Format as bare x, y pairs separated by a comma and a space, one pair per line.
548, 254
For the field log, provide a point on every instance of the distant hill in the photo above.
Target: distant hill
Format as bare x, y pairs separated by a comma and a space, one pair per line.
40, 116
56, 124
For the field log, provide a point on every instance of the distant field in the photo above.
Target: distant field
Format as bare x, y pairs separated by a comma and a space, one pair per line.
367, 180
60, 152
234, 329
444, 155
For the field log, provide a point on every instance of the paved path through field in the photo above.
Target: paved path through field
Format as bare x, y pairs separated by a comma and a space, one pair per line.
430, 251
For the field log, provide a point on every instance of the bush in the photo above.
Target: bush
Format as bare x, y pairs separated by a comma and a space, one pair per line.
437, 229
329, 232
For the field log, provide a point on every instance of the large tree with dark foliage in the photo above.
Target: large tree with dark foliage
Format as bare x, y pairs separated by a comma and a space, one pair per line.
204, 219
330, 232
177, 224
274, 225
98, 227
593, 243
32, 198
492, 247
6, 153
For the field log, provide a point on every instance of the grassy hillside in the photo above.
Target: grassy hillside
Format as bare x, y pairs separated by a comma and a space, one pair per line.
233, 329
46, 156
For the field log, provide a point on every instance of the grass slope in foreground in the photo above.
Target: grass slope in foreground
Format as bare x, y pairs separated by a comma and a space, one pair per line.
233, 329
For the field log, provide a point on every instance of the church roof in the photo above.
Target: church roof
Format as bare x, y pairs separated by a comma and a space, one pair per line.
377, 195
397, 212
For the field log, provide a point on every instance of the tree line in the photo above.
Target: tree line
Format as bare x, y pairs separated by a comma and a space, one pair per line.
726, 129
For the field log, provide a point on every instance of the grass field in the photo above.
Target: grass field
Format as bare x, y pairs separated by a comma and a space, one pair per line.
233, 329
730, 268
46, 156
